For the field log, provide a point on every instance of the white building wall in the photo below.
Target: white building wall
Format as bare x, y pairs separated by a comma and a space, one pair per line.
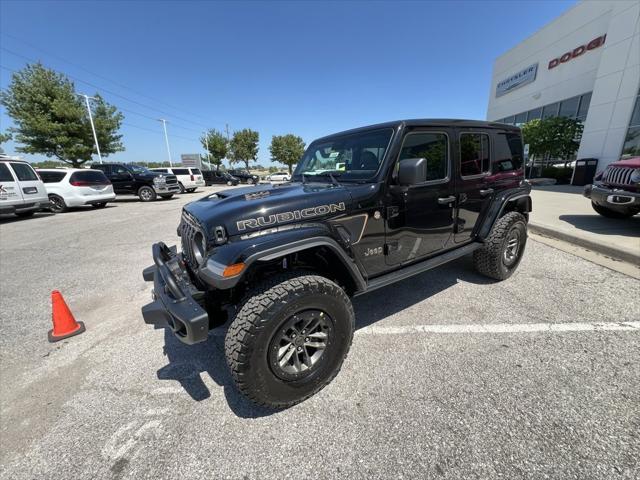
611, 72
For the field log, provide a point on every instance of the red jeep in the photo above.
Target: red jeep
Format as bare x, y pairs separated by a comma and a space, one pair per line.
615, 192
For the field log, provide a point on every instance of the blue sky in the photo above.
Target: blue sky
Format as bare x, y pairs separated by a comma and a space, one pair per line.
309, 68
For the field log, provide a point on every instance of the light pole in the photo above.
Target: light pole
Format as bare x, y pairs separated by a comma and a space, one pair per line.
93, 128
166, 138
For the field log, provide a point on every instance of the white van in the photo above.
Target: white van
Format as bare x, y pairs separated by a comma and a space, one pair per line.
188, 178
21, 190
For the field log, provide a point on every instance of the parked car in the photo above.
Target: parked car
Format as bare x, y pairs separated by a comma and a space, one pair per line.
615, 192
279, 177
134, 179
211, 177
21, 190
244, 177
188, 178
280, 263
76, 187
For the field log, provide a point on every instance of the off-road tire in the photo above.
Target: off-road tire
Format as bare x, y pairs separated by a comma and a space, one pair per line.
146, 194
263, 314
490, 259
58, 204
607, 212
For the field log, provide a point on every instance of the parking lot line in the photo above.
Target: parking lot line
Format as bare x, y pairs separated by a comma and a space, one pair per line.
503, 328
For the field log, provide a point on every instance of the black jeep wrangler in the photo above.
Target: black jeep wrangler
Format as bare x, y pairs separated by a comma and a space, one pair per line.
136, 180
282, 261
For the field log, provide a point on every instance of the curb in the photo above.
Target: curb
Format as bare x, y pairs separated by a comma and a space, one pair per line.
608, 250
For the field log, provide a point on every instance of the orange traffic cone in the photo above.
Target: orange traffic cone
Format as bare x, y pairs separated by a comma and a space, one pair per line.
64, 325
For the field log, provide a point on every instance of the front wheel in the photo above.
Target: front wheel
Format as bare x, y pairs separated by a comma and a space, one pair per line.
607, 212
191, 190
229, 183
146, 194
99, 205
289, 339
57, 204
503, 248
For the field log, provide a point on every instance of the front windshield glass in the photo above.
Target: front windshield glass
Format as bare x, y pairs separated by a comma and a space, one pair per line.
139, 169
355, 157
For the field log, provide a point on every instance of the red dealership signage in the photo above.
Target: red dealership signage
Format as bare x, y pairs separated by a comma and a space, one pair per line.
576, 52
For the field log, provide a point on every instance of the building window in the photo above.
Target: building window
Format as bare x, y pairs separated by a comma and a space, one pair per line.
521, 118
550, 110
569, 107
534, 114
631, 147
585, 100
510, 120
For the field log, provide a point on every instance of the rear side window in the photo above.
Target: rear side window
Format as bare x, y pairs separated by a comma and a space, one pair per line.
51, 177
196, 171
434, 147
24, 172
5, 173
181, 171
508, 152
474, 154
163, 170
93, 177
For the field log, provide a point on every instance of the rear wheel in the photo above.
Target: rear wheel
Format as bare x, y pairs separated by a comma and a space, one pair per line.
146, 194
289, 339
606, 212
57, 204
503, 248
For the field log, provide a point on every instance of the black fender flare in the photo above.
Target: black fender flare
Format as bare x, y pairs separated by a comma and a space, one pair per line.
272, 247
519, 197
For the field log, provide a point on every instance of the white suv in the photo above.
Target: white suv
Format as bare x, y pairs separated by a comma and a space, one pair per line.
188, 178
21, 190
75, 187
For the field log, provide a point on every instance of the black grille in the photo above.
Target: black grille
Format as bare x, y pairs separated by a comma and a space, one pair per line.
189, 228
171, 179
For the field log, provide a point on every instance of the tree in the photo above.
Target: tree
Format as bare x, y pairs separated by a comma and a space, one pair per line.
4, 137
286, 149
554, 137
244, 146
217, 145
51, 119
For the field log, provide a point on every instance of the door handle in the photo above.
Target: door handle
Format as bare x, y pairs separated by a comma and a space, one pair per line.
446, 200
486, 192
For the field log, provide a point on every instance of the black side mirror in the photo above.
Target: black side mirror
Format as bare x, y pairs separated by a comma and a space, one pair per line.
412, 171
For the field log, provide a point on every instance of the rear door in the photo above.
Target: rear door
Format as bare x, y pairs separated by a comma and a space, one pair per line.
30, 185
419, 218
10, 193
473, 189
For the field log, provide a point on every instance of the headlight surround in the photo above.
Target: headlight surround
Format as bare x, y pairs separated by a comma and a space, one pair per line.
199, 247
635, 176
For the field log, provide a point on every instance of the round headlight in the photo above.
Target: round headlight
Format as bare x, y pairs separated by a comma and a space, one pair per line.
635, 176
199, 247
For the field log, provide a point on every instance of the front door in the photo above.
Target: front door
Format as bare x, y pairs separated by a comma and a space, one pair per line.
121, 179
419, 218
472, 189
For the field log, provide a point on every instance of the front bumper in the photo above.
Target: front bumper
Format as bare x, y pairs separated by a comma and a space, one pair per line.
173, 302
612, 198
164, 189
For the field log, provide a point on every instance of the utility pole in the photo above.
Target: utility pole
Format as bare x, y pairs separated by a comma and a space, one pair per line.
166, 138
93, 128
226, 129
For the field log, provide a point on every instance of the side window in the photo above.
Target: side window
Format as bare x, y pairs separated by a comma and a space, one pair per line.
474, 154
52, 177
5, 173
180, 171
24, 172
119, 170
433, 147
508, 154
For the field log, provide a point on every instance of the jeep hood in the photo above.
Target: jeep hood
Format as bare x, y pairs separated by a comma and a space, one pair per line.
250, 209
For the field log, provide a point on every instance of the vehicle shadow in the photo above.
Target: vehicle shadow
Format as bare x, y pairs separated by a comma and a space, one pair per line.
628, 227
11, 218
187, 363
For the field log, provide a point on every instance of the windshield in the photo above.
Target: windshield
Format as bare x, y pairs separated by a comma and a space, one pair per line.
139, 169
354, 157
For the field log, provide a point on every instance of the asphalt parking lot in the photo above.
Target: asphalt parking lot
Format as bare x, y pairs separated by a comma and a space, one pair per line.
449, 375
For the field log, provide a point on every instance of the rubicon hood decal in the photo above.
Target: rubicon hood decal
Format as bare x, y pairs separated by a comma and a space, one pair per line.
283, 217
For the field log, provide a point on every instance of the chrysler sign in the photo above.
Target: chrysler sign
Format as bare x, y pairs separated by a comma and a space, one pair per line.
517, 80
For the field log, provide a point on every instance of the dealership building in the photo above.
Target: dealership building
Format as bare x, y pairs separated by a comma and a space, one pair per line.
585, 65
